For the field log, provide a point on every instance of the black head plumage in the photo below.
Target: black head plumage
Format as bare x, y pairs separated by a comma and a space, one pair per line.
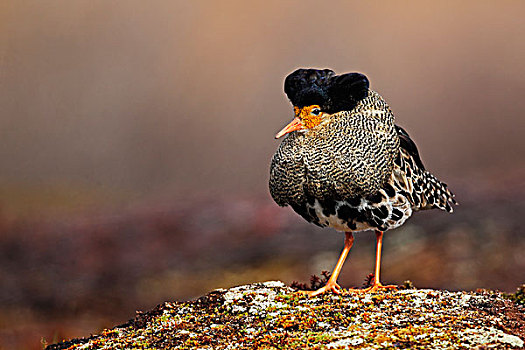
333, 93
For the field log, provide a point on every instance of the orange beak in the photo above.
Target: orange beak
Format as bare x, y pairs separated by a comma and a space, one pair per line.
294, 125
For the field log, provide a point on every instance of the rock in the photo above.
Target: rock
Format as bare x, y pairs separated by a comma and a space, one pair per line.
271, 315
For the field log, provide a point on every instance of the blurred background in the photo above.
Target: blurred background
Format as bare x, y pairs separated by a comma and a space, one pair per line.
135, 141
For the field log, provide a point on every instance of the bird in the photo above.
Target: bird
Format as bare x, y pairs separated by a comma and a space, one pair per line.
345, 164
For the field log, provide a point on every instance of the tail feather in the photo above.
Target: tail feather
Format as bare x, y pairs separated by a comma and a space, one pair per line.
423, 190
435, 194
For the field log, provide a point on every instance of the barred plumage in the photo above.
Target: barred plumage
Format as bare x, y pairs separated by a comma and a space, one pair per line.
349, 166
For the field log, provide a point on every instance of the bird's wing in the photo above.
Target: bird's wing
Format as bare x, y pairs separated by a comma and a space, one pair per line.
425, 191
408, 145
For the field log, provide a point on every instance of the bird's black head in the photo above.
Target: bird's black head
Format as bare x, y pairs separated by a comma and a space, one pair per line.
317, 93
333, 93
306, 87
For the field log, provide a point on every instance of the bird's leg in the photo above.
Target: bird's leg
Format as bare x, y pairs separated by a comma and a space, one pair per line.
332, 285
376, 285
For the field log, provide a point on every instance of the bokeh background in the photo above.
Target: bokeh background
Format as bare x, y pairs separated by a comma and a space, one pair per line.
135, 140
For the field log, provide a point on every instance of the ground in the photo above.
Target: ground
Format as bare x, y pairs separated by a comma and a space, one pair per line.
271, 315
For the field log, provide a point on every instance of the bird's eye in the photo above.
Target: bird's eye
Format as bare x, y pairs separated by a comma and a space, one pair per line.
315, 111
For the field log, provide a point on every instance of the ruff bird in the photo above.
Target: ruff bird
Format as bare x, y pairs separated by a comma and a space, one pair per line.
345, 164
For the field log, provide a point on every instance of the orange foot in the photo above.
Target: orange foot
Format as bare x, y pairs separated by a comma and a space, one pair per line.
374, 289
329, 287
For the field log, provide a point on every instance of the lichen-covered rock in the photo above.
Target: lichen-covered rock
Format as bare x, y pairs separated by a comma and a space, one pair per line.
271, 315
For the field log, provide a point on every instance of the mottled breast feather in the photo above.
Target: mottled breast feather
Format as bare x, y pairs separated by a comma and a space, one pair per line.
351, 155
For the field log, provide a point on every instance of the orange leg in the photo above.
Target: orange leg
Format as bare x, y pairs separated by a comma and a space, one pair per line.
377, 283
332, 285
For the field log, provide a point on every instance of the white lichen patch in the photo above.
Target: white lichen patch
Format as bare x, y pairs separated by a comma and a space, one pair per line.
488, 336
254, 300
274, 284
345, 343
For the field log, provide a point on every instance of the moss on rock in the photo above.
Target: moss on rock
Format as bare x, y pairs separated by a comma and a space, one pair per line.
271, 315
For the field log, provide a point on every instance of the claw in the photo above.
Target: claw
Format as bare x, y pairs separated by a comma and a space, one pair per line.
329, 287
374, 289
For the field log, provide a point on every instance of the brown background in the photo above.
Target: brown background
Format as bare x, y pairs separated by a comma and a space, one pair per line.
113, 112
